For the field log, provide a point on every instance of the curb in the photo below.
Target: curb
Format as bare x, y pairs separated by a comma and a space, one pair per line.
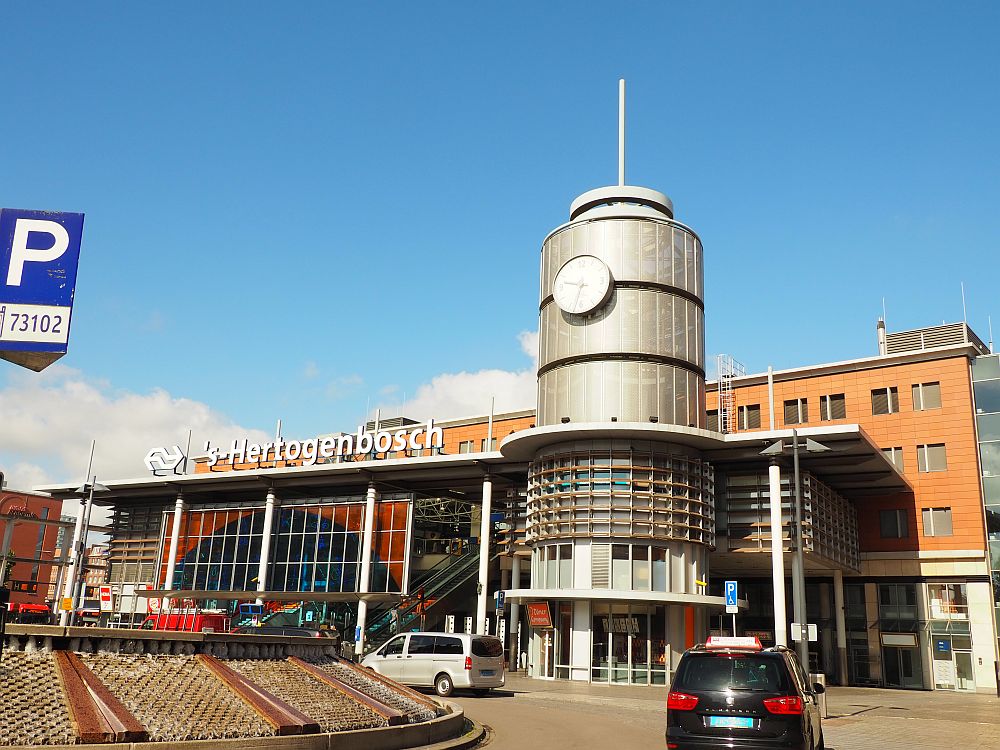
473, 736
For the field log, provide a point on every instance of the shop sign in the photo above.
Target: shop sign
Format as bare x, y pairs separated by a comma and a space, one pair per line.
105, 597
539, 615
621, 624
39, 255
308, 452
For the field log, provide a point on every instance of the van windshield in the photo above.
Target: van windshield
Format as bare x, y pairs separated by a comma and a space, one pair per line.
487, 647
719, 672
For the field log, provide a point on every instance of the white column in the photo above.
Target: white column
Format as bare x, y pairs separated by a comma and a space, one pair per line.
484, 554
366, 567
513, 627
265, 542
777, 557
69, 585
840, 619
175, 539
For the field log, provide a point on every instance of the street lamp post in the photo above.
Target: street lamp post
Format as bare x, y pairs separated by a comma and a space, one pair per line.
798, 561
73, 591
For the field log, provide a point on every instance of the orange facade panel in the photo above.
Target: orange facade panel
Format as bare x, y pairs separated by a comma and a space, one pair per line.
954, 485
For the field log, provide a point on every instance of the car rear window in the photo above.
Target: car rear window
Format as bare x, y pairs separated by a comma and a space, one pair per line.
729, 672
487, 647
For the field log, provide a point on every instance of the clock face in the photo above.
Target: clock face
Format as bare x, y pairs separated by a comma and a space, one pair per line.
582, 285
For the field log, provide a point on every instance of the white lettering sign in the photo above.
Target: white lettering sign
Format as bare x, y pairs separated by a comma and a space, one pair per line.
309, 452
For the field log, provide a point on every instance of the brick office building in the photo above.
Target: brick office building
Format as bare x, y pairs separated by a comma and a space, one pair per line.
920, 607
30, 541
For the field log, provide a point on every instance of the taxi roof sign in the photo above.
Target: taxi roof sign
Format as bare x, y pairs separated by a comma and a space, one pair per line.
751, 643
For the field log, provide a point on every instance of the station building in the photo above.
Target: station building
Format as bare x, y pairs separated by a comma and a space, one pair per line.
611, 514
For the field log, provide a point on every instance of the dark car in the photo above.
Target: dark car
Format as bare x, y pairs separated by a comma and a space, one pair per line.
734, 694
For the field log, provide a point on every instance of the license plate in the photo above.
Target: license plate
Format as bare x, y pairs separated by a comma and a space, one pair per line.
730, 722
487, 672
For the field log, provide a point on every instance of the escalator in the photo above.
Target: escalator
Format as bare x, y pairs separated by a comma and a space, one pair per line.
441, 585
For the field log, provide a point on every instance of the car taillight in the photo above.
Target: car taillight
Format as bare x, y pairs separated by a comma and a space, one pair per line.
468, 663
788, 705
681, 702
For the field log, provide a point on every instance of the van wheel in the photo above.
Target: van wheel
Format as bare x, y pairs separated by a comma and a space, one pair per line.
443, 685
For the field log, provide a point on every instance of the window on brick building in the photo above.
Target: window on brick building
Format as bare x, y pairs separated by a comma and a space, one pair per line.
796, 411
492, 444
466, 446
833, 406
926, 396
749, 416
895, 455
885, 400
712, 420
893, 524
932, 458
937, 521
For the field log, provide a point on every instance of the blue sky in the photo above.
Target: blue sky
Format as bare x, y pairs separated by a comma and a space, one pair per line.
305, 210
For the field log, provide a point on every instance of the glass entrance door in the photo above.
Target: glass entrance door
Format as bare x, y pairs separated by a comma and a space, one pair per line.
902, 667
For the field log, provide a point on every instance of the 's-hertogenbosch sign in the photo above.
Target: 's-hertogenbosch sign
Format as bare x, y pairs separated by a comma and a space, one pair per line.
306, 452
39, 254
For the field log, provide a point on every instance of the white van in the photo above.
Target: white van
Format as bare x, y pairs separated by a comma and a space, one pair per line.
443, 660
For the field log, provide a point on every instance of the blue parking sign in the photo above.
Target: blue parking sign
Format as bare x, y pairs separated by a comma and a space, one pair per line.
39, 254
731, 594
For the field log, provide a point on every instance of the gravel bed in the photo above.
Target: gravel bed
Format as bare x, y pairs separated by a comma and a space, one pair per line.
33, 709
176, 697
415, 712
334, 711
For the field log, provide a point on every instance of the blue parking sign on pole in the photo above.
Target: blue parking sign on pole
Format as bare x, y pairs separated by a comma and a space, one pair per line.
731, 600
39, 254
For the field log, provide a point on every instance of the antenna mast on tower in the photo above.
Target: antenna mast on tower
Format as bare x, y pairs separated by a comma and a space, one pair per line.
621, 131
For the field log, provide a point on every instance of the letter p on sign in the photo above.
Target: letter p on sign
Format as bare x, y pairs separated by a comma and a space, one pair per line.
20, 253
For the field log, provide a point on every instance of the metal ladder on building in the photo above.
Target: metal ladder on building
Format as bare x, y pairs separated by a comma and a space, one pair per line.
729, 369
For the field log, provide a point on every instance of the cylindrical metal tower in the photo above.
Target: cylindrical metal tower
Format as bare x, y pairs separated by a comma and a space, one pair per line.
621, 321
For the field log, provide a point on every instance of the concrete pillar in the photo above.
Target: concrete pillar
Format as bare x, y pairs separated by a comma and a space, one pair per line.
840, 618
924, 644
175, 538
514, 624
366, 569
777, 557
265, 542
484, 554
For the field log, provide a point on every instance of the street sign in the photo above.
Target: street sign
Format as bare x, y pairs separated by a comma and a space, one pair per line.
808, 632
499, 596
732, 606
39, 254
104, 592
251, 609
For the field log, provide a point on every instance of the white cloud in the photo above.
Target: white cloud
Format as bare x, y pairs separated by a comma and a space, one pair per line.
465, 394
310, 371
50, 418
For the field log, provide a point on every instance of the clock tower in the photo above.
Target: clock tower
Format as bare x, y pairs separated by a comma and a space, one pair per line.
621, 316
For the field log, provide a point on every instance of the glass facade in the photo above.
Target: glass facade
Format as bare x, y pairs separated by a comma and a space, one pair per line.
629, 644
986, 389
315, 547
